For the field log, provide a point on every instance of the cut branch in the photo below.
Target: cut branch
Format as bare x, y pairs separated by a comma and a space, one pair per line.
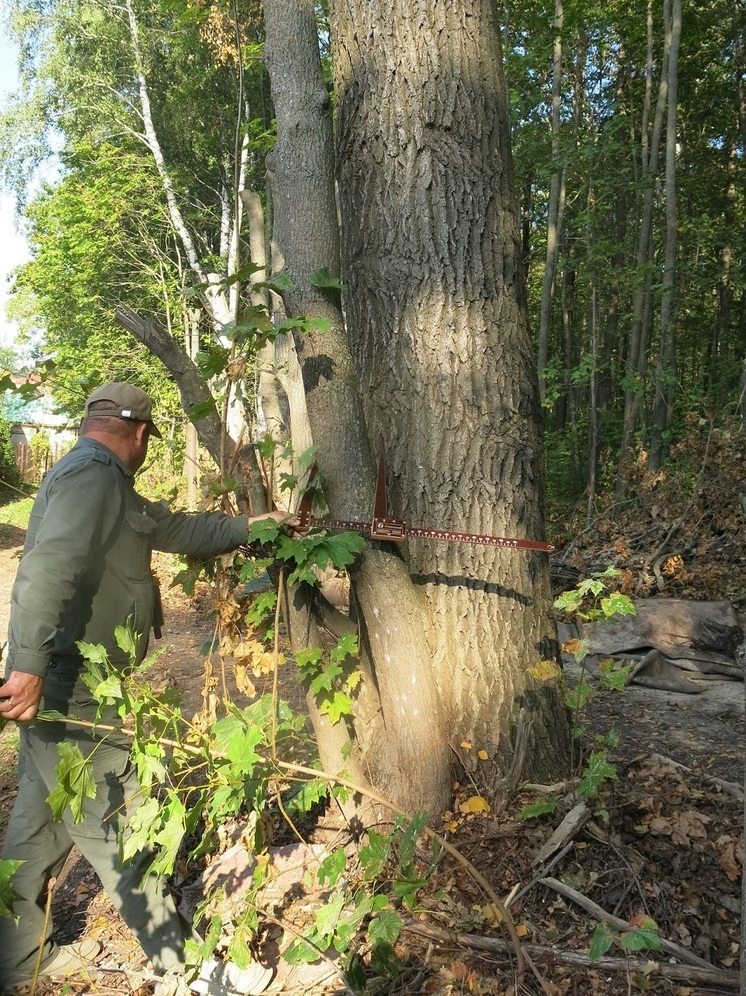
667, 970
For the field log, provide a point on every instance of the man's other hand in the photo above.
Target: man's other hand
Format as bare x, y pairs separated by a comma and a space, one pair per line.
20, 696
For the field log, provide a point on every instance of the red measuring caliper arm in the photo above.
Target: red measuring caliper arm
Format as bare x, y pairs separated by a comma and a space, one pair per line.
396, 531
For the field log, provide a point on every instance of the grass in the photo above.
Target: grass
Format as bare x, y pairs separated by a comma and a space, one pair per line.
16, 513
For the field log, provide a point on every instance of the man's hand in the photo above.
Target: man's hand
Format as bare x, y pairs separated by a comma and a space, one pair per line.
20, 696
291, 522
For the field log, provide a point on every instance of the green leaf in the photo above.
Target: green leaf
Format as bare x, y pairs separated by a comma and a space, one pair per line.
149, 764
346, 647
169, 837
240, 749
200, 410
262, 609
243, 934
305, 798
142, 828
327, 918
127, 640
308, 661
569, 601
75, 783
591, 586
356, 974
95, 653
263, 531
383, 960
317, 550
578, 698
322, 278
603, 937
618, 604
386, 926
614, 675
409, 838
300, 953
108, 689
279, 284
646, 937
52, 716
8, 895
332, 867
407, 887
235, 738
336, 706
540, 807
597, 770
210, 364
374, 855
324, 681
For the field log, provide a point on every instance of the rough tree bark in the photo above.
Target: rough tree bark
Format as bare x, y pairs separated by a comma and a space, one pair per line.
437, 317
397, 726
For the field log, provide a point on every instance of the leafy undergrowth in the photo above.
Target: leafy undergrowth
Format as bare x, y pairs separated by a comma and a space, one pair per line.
659, 845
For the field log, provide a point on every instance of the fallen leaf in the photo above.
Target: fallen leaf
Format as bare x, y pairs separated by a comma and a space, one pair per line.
729, 861
475, 804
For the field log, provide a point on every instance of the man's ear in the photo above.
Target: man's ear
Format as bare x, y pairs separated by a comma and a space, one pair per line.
142, 432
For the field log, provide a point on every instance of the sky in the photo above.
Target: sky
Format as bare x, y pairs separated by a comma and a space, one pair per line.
13, 250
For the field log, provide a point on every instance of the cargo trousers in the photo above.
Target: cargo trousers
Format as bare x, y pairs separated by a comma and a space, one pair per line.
43, 844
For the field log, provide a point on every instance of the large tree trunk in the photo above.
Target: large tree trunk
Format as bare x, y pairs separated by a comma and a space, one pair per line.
397, 725
438, 327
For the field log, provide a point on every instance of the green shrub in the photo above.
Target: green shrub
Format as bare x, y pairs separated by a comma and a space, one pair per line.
10, 477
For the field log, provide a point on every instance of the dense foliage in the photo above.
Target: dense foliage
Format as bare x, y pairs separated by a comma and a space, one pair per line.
588, 87
10, 479
609, 63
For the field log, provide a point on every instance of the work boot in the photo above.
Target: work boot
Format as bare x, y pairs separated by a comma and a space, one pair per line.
67, 960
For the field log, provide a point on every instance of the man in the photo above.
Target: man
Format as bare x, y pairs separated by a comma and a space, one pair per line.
86, 570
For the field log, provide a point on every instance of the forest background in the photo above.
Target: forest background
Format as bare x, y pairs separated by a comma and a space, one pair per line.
615, 180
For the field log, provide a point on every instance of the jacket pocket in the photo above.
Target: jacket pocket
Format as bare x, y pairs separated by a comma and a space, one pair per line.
137, 538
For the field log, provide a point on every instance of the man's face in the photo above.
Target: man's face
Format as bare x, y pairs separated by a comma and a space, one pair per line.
139, 447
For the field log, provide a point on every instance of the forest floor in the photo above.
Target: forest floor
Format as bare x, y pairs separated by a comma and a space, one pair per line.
662, 841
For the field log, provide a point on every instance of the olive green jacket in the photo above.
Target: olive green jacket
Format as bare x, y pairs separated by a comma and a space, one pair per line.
85, 567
